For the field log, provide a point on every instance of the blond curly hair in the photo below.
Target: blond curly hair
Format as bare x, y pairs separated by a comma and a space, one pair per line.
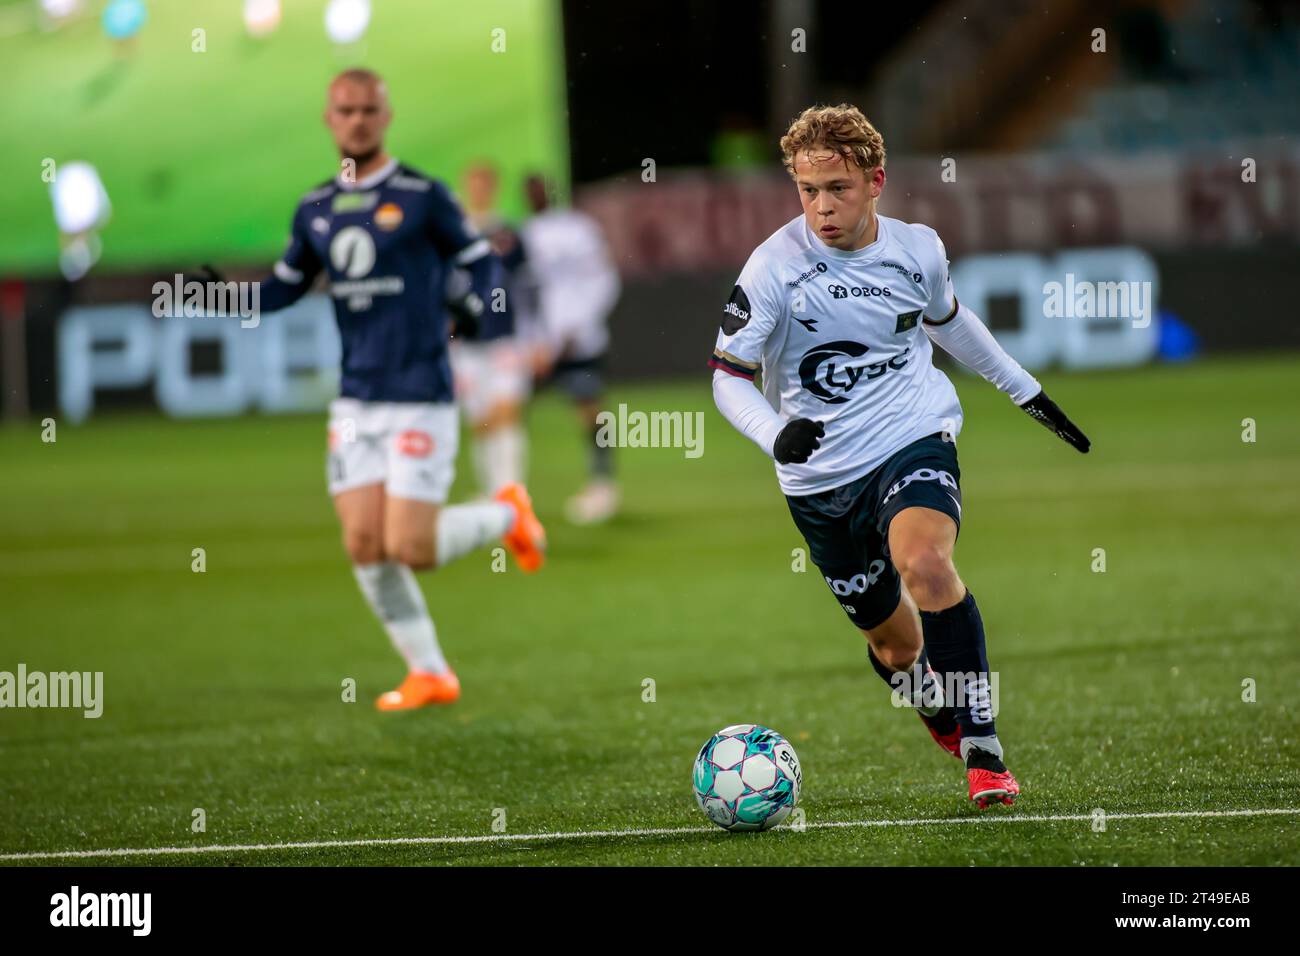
842, 128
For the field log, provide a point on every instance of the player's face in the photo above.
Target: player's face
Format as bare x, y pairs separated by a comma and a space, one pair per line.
535, 192
357, 115
839, 198
480, 188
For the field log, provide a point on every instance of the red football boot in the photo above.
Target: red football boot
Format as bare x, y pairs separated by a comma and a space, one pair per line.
950, 742
990, 779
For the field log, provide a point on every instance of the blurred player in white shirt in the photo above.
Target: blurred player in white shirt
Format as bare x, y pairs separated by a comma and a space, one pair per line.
493, 374
577, 287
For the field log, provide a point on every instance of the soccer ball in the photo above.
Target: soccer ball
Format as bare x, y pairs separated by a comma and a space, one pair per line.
747, 778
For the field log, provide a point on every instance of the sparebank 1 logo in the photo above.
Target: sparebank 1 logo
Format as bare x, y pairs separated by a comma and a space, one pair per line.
824, 371
352, 252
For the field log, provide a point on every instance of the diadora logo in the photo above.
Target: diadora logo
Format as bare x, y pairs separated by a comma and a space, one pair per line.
857, 292
735, 312
819, 267
352, 252
824, 371
922, 474
859, 583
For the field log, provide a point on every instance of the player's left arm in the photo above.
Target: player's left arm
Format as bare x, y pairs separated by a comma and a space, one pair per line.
462, 246
960, 333
294, 271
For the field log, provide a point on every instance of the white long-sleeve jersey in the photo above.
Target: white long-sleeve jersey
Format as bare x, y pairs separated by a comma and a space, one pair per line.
841, 338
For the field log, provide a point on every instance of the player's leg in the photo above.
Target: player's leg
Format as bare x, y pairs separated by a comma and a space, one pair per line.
492, 383
897, 653
420, 444
501, 446
895, 644
851, 557
394, 595
357, 468
499, 429
921, 543
361, 518
920, 512
423, 536
421, 531
467, 371
598, 500
419, 535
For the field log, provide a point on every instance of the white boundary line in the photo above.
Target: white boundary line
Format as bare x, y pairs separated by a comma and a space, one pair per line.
603, 834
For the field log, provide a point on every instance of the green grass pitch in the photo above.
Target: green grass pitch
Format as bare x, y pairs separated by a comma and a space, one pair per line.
204, 155
1120, 690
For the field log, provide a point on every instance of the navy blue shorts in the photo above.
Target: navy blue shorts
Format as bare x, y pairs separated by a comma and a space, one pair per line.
847, 528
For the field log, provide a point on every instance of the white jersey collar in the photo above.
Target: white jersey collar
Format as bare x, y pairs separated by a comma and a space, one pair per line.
864, 255
374, 179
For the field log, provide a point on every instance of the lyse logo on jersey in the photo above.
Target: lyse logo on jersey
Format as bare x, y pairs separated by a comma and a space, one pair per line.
858, 292
858, 583
415, 444
823, 371
735, 312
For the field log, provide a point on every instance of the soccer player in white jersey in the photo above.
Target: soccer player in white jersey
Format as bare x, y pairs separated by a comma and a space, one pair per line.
577, 287
838, 308
493, 375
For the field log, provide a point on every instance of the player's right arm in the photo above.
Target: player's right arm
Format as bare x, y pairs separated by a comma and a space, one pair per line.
747, 323
293, 273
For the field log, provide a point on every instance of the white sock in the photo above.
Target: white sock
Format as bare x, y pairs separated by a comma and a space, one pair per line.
395, 597
504, 450
463, 528
990, 744
482, 465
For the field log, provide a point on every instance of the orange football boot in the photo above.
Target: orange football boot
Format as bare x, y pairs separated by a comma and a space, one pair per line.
419, 689
527, 538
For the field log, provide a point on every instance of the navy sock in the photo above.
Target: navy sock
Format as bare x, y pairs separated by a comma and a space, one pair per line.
954, 638
944, 721
602, 456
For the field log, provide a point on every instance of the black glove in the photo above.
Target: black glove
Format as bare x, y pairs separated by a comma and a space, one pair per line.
1049, 413
210, 274
799, 439
203, 277
464, 316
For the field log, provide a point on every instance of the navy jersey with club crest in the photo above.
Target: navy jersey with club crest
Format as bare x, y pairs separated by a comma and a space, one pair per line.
386, 244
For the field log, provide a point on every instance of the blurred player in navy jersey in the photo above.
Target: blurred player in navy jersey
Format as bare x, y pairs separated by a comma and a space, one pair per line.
493, 374
386, 236
577, 287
